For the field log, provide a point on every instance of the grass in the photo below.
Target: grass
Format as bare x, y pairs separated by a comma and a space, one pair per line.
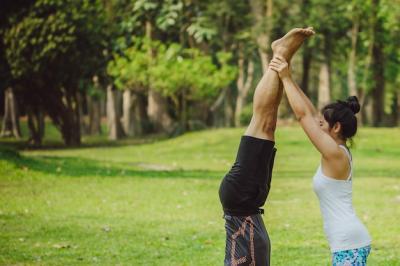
147, 202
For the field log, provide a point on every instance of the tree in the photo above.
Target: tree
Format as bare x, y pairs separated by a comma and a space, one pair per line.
262, 11
235, 31
10, 126
243, 83
94, 98
50, 49
129, 70
113, 115
378, 67
187, 75
182, 75
390, 15
147, 12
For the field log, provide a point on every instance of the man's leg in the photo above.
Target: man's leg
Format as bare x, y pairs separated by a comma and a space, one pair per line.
268, 92
247, 239
245, 187
267, 97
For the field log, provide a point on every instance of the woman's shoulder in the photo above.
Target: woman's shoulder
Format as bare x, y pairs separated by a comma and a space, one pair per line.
347, 151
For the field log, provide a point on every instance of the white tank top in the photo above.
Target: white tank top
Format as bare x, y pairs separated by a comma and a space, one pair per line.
342, 227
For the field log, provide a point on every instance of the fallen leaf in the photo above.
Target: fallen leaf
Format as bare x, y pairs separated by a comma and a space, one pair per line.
61, 245
106, 229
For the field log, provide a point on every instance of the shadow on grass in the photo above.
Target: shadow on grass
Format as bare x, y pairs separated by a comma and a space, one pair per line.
80, 167
87, 142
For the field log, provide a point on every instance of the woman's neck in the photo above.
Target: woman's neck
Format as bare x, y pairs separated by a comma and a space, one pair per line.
339, 140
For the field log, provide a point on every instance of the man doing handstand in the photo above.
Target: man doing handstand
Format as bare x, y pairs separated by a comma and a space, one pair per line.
245, 188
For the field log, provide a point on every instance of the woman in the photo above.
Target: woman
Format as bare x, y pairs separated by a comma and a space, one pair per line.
347, 236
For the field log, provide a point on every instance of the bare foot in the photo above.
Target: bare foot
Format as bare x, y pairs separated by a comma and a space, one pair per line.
288, 44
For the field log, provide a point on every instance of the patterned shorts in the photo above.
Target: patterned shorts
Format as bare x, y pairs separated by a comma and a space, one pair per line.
351, 257
247, 241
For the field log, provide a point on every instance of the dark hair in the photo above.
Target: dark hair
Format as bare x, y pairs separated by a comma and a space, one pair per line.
344, 113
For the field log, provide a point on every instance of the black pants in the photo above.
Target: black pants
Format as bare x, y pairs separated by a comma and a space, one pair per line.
243, 192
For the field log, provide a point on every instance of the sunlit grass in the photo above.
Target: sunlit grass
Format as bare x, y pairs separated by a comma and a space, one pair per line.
156, 203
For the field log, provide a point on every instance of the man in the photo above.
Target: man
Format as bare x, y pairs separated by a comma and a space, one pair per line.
245, 187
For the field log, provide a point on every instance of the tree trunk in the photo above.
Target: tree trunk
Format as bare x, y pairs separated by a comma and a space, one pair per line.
10, 125
367, 110
307, 55
363, 90
80, 107
36, 125
284, 109
157, 104
214, 117
262, 28
324, 86
114, 123
94, 108
141, 119
157, 111
183, 111
243, 85
228, 109
398, 108
351, 77
128, 113
394, 117
378, 70
62, 108
103, 106
307, 59
72, 135
378, 97
134, 113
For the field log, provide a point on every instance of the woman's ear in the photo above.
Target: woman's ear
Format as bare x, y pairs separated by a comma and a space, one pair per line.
337, 127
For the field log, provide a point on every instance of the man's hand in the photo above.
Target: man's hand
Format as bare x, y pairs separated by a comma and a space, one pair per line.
280, 65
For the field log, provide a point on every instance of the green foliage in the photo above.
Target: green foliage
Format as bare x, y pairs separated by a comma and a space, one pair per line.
170, 14
130, 69
52, 44
56, 34
247, 113
145, 5
52, 47
95, 92
176, 70
172, 70
202, 29
390, 14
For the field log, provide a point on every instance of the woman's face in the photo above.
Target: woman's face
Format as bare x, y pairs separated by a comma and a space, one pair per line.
324, 124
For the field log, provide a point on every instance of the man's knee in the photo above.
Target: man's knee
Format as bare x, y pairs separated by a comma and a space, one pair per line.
262, 127
267, 121
269, 127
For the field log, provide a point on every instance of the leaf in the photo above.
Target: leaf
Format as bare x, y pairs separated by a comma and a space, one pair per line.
106, 229
61, 246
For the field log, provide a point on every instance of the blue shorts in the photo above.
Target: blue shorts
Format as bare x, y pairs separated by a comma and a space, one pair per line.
351, 257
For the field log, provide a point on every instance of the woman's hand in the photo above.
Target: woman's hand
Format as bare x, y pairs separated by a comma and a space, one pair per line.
280, 65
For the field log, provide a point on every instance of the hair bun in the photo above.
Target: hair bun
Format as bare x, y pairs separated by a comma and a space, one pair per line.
353, 104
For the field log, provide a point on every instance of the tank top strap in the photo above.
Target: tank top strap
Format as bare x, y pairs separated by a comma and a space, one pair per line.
350, 160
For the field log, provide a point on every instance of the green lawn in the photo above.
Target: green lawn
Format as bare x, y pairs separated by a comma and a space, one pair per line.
146, 202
